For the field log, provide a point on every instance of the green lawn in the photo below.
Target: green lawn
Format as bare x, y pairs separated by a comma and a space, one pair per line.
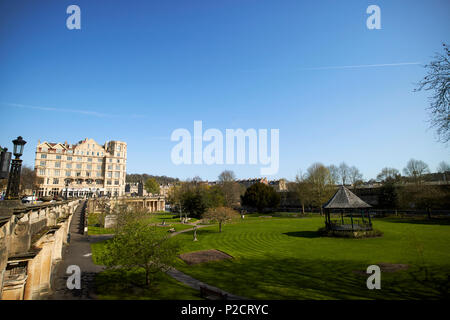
122, 285
119, 285
158, 217
284, 258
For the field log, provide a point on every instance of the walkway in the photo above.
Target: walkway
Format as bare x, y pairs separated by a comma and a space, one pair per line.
78, 252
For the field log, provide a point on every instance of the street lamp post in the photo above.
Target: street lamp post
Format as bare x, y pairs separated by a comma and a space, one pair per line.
12, 190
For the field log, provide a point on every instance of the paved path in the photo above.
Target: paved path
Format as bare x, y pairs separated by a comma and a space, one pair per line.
196, 284
78, 252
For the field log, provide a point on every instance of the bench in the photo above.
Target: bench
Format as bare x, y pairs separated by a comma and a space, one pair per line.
211, 294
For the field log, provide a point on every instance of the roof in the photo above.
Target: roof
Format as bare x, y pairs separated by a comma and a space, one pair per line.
345, 199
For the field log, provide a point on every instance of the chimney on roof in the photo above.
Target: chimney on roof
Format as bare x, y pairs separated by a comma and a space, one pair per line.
65, 143
39, 141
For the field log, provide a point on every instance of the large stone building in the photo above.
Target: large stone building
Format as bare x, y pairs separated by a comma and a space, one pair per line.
83, 169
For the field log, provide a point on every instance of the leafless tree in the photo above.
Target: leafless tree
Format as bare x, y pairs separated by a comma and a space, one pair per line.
415, 169
443, 167
344, 171
438, 80
355, 176
334, 172
388, 174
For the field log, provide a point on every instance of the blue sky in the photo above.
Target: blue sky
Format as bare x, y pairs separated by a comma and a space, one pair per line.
137, 70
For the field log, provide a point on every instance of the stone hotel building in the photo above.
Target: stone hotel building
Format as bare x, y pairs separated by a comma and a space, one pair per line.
85, 169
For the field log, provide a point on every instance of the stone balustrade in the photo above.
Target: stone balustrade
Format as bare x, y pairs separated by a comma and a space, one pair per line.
31, 244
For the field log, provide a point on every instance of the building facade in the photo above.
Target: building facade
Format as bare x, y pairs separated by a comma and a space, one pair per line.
83, 169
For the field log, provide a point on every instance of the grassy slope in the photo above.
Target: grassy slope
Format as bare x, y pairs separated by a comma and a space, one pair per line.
283, 258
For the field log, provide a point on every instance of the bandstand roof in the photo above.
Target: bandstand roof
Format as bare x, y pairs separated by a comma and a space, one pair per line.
345, 199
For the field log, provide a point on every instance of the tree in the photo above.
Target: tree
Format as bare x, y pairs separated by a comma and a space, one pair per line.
388, 197
193, 203
220, 215
140, 246
227, 176
303, 189
334, 173
28, 179
355, 176
321, 184
230, 188
213, 197
438, 81
261, 196
388, 174
175, 197
152, 186
443, 167
415, 169
344, 171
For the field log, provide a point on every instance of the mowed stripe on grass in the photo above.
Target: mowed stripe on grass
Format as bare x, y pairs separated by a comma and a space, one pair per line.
284, 258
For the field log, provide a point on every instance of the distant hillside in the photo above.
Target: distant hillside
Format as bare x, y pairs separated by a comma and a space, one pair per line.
136, 177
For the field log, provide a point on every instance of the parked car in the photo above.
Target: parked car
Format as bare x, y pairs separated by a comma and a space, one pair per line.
29, 199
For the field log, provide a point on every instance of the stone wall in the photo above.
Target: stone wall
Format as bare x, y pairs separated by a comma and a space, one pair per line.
31, 243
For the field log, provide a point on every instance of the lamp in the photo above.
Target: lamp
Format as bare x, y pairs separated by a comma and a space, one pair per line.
18, 147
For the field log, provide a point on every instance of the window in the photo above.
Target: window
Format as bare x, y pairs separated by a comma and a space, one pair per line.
42, 163
108, 182
68, 165
78, 174
56, 172
110, 160
58, 164
58, 150
58, 157
70, 152
69, 158
78, 165
109, 175
55, 181
89, 166
100, 160
118, 154
116, 174
43, 156
99, 174
89, 159
118, 160
109, 167
88, 174
118, 148
42, 172
99, 167
117, 167
79, 158
67, 173
116, 182
98, 153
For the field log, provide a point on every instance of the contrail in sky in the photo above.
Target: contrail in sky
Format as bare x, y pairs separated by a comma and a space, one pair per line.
365, 66
340, 67
79, 111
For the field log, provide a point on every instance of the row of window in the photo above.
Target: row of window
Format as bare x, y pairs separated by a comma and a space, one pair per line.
78, 173
58, 157
108, 182
80, 166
